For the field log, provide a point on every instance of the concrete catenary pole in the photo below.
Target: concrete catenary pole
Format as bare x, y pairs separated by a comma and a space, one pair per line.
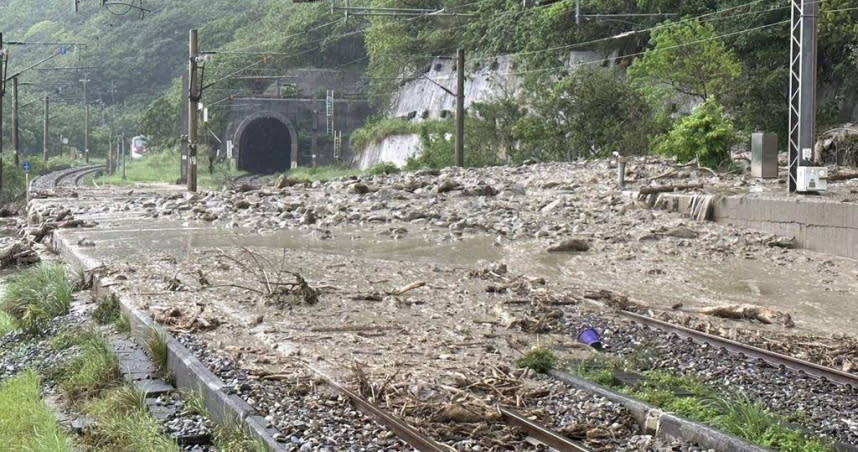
460, 108
85, 80
45, 137
124, 150
16, 140
193, 119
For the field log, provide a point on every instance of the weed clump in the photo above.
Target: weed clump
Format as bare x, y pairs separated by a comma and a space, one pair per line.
232, 436
156, 345
107, 310
37, 295
540, 359
95, 369
123, 423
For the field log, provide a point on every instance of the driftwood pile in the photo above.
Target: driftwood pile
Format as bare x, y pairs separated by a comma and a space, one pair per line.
18, 253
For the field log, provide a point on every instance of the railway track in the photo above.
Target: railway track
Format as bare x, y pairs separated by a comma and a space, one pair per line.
69, 177
776, 359
250, 179
422, 442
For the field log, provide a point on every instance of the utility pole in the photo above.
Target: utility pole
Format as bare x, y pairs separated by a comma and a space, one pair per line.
45, 139
802, 88
194, 95
460, 108
15, 138
577, 12
85, 80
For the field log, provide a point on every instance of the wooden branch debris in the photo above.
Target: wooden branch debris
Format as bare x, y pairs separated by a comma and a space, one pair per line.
405, 289
761, 314
842, 176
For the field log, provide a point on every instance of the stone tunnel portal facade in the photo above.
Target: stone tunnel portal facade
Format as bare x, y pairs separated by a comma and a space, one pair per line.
267, 143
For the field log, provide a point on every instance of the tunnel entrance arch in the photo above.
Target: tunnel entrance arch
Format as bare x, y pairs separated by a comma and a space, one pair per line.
267, 143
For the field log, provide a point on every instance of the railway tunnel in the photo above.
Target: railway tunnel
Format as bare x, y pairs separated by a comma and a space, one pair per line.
267, 143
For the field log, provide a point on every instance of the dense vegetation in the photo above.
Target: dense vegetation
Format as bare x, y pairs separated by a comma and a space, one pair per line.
730, 52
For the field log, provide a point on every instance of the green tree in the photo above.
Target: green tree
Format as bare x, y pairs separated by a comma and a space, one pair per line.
707, 135
688, 58
602, 113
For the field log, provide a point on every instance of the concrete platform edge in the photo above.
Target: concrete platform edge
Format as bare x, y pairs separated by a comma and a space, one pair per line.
666, 425
189, 372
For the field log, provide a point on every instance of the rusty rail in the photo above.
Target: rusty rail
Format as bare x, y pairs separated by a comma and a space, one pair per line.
403, 430
771, 357
540, 433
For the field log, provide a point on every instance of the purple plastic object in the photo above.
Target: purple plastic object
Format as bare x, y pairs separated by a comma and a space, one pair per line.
591, 337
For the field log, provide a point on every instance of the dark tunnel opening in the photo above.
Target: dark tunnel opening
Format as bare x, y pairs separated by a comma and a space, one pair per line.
265, 147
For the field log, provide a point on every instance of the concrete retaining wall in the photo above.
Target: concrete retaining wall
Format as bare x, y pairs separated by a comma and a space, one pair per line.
817, 223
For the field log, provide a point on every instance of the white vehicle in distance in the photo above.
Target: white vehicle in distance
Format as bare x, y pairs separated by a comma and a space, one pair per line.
138, 147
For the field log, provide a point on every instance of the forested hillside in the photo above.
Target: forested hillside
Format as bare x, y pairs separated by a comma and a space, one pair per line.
137, 62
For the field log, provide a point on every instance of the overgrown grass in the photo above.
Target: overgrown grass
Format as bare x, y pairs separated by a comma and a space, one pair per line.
321, 173
163, 167
383, 169
689, 397
376, 132
106, 310
195, 403
233, 437
26, 424
7, 324
36, 295
95, 369
540, 359
123, 424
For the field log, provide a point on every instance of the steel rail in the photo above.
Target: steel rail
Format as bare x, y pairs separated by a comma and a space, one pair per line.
771, 357
540, 433
402, 429
76, 174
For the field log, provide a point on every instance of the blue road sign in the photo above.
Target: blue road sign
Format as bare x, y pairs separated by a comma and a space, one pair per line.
62, 50
26, 167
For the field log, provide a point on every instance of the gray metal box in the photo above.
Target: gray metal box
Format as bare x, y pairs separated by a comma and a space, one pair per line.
764, 155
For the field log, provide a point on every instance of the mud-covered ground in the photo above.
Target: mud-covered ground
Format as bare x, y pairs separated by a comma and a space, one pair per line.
423, 284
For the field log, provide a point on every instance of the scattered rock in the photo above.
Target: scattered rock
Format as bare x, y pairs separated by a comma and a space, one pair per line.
682, 233
569, 246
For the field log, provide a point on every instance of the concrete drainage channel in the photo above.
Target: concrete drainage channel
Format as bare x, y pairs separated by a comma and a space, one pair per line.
190, 374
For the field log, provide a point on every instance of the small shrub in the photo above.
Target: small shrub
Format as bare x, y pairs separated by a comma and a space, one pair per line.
107, 310
540, 359
707, 135
383, 169
36, 295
